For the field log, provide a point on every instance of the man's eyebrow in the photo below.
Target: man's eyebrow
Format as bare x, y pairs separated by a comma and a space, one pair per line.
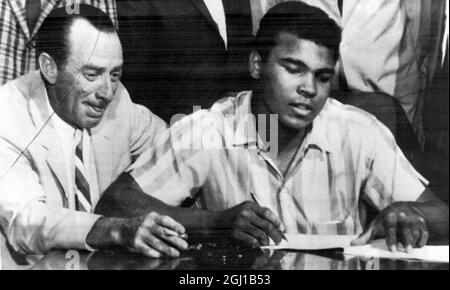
294, 61
300, 63
325, 71
92, 67
118, 68
101, 69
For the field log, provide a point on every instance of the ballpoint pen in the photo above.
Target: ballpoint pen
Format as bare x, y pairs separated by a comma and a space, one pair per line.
281, 228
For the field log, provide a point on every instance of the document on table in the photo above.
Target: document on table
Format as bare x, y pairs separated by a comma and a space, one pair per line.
312, 242
378, 249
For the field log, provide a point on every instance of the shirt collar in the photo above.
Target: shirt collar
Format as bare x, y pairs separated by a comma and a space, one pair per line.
244, 123
245, 126
317, 136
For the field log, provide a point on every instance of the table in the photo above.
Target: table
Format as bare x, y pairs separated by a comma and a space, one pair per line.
226, 257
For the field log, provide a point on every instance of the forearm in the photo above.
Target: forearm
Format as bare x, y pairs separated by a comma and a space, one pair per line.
106, 233
124, 198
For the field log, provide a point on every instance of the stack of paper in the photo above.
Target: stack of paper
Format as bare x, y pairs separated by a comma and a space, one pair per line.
378, 249
313, 242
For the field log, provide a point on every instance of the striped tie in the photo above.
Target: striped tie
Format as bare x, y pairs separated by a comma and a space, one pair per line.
82, 196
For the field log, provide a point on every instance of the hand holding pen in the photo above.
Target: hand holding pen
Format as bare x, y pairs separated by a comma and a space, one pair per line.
272, 217
253, 225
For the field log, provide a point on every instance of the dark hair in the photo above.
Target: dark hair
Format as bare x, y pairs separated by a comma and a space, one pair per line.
297, 18
53, 35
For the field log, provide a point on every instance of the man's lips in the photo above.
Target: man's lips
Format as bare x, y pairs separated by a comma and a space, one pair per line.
302, 109
96, 110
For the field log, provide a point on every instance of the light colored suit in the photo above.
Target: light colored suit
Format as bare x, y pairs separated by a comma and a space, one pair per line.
33, 182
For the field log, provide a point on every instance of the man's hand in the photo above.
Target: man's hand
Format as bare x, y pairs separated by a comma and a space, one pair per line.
401, 224
253, 225
152, 234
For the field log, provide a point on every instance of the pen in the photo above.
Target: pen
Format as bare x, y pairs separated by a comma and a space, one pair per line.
281, 227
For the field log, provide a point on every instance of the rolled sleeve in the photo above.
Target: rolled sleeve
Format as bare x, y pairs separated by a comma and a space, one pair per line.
391, 177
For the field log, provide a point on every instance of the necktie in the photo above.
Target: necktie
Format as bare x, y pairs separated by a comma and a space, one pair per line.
82, 196
33, 9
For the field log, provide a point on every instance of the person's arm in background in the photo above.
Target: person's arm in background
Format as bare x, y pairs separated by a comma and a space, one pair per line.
410, 224
410, 213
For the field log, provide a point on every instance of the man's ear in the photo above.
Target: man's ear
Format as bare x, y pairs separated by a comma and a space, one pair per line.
255, 65
48, 67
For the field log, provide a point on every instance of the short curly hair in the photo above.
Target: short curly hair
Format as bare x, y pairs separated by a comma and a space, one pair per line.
302, 20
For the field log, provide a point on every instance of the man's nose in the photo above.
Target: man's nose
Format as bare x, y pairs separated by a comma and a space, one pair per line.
106, 89
308, 85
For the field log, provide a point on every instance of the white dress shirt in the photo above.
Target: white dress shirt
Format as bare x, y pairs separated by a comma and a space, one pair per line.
217, 12
69, 137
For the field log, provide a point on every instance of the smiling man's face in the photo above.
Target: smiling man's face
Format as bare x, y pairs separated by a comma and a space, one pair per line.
296, 80
86, 84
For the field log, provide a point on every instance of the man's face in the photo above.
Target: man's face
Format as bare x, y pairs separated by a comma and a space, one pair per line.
86, 84
296, 80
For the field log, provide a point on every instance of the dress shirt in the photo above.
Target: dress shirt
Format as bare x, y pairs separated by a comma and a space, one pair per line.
217, 12
346, 155
69, 138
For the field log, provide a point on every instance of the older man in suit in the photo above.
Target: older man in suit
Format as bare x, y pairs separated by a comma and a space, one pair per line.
67, 131
184, 53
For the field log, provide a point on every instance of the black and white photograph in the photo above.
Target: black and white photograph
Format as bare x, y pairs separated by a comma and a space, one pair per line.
224, 139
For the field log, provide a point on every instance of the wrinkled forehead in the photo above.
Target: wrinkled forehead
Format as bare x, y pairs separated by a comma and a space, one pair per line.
87, 44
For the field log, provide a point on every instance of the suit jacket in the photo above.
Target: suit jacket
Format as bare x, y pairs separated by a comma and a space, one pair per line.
175, 57
33, 184
17, 42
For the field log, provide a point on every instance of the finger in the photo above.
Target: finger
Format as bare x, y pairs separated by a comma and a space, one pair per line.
170, 223
407, 239
245, 239
424, 235
390, 229
245, 222
170, 236
142, 248
178, 241
416, 232
261, 236
268, 229
160, 246
405, 228
268, 215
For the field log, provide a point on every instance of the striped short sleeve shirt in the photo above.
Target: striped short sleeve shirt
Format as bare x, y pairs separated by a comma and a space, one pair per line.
346, 155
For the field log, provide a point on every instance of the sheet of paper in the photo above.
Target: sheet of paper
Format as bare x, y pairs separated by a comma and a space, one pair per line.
312, 242
378, 249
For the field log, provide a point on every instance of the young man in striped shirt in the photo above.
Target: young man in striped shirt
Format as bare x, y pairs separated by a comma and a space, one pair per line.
321, 159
